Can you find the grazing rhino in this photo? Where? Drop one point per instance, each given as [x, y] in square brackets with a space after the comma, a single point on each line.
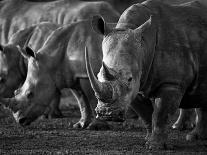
[20, 14]
[58, 64]
[164, 58]
[13, 66]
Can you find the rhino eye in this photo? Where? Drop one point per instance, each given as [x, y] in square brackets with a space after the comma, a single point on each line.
[16, 92]
[29, 94]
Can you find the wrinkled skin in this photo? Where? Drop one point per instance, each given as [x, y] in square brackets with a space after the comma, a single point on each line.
[13, 68]
[60, 12]
[158, 59]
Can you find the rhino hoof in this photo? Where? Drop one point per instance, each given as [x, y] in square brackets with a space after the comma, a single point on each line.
[176, 126]
[81, 124]
[98, 125]
[192, 137]
[155, 146]
[57, 114]
[181, 127]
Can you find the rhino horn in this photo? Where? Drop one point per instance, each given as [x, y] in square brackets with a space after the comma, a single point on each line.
[106, 72]
[10, 103]
[103, 90]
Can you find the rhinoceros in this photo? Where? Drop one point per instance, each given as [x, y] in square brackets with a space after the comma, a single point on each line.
[58, 64]
[20, 14]
[159, 50]
[13, 66]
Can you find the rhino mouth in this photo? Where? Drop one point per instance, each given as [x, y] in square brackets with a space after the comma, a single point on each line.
[23, 121]
[110, 114]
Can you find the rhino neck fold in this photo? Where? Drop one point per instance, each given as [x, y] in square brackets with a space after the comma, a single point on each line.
[147, 63]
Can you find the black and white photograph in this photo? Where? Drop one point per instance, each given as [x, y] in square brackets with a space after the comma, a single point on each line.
[103, 77]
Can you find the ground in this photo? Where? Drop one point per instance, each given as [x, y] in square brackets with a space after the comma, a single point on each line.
[55, 136]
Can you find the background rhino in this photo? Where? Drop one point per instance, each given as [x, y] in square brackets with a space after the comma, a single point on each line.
[20, 14]
[13, 66]
[58, 64]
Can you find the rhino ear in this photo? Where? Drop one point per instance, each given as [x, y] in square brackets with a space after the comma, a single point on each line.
[99, 25]
[26, 52]
[30, 52]
[146, 31]
[144, 27]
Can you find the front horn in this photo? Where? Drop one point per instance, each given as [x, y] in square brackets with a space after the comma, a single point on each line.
[11, 103]
[103, 90]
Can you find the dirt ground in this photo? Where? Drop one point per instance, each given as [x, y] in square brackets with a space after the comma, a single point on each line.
[55, 136]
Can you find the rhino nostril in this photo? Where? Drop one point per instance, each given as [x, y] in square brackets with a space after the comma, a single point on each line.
[22, 121]
[29, 95]
[130, 79]
[2, 80]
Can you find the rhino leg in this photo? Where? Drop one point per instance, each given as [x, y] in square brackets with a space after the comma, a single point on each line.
[167, 101]
[185, 120]
[200, 131]
[131, 118]
[85, 110]
[95, 124]
[53, 111]
[143, 107]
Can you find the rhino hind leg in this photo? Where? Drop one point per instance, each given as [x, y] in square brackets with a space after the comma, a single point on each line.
[167, 102]
[85, 110]
[185, 121]
[54, 111]
[200, 131]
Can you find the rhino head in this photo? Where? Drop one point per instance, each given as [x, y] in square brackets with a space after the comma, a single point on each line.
[40, 87]
[12, 63]
[119, 79]
[33, 97]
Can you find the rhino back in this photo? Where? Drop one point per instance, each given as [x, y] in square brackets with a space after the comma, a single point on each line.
[66, 45]
[20, 14]
[138, 13]
[40, 34]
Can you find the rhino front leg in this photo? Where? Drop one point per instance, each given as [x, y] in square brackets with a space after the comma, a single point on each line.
[200, 131]
[143, 107]
[85, 110]
[166, 102]
[95, 123]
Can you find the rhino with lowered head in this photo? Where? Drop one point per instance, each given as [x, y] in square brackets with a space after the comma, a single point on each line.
[13, 66]
[58, 64]
[159, 50]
